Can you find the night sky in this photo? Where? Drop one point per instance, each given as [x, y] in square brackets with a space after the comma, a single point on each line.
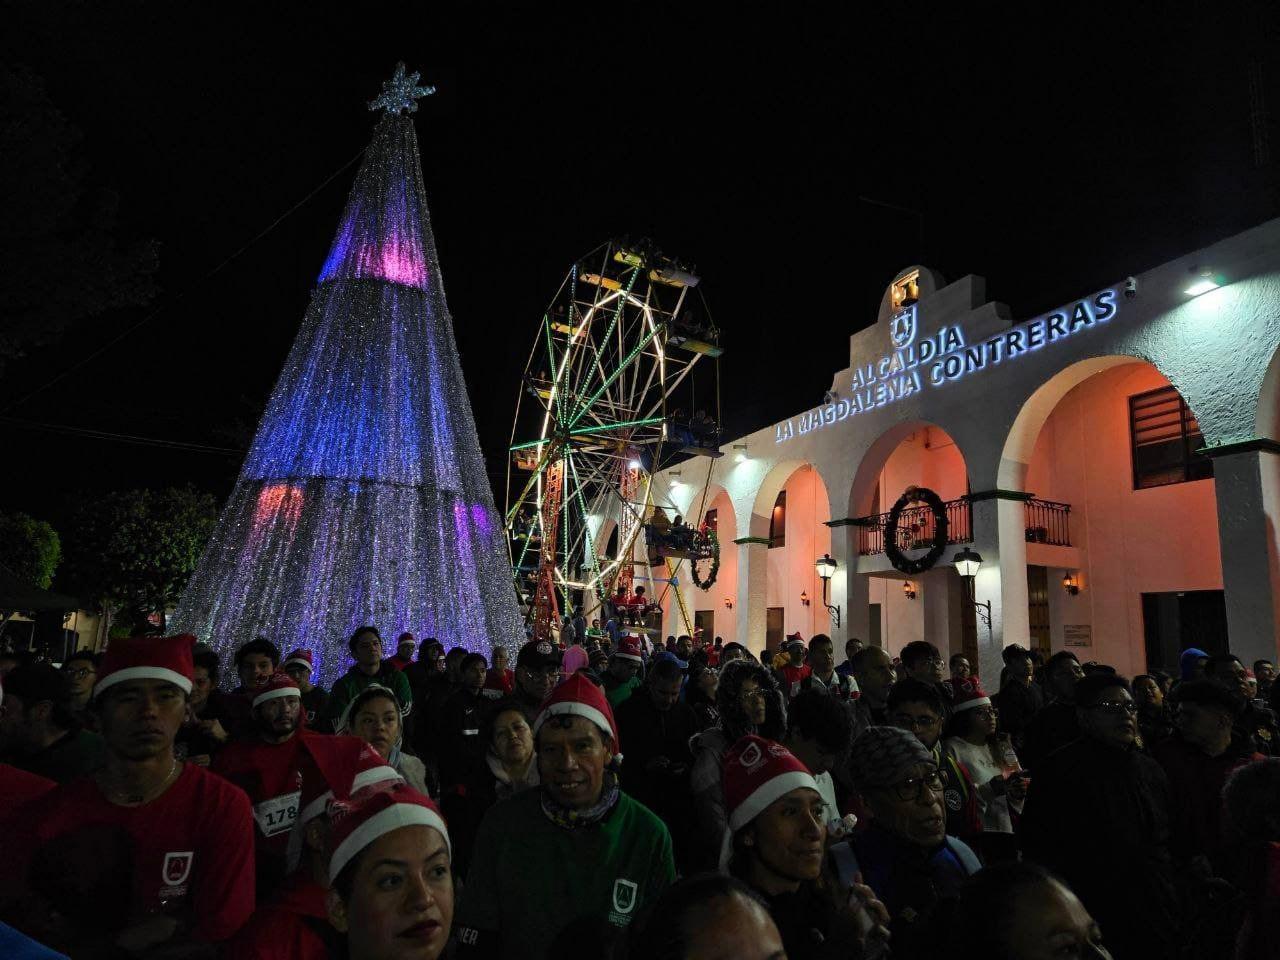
[1052, 157]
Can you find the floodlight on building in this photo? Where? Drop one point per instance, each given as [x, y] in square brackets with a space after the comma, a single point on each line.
[740, 453]
[1203, 283]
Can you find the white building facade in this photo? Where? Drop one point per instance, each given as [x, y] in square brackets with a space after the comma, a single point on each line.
[1115, 462]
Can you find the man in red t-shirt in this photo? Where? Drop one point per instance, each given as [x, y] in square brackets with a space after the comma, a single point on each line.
[147, 850]
[294, 925]
[499, 682]
[271, 766]
[277, 768]
[794, 672]
[18, 787]
[404, 651]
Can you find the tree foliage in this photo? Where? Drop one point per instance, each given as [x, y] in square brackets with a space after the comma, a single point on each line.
[62, 259]
[133, 552]
[30, 548]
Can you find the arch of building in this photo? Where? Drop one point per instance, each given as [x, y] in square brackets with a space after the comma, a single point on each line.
[910, 453]
[1092, 522]
[693, 502]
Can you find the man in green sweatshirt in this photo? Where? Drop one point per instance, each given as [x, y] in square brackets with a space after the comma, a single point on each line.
[563, 870]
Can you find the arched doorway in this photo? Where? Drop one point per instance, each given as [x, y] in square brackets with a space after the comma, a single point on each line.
[788, 532]
[1122, 545]
[927, 605]
[713, 610]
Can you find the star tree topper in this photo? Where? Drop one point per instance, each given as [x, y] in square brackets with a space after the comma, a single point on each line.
[401, 93]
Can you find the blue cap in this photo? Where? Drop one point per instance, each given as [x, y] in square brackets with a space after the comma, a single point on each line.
[668, 655]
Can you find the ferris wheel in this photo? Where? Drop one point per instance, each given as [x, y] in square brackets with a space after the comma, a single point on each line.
[613, 392]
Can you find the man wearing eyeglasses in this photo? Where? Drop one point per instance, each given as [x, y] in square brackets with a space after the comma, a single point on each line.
[81, 670]
[917, 707]
[1098, 814]
[537, 673]
[905, 855]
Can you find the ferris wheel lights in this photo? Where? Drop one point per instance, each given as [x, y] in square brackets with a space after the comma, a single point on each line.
[634, 464]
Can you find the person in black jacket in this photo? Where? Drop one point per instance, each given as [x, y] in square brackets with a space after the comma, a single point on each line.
[655, 728]
[1019, 698]
[1098, 813]
[1055, 725]
[460, 747]
[426, 675]
[1256, 723]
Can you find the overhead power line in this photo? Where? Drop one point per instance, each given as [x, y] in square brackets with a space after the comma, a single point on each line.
[64, 428]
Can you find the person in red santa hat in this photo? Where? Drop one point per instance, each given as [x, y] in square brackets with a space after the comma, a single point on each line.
[612, 857]
[777, 845]
[300, 665]
[294, 924]
[182, 835]
[276, 769]
[390, 876]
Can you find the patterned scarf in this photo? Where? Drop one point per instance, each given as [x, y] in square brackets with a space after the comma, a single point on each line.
[562, 816]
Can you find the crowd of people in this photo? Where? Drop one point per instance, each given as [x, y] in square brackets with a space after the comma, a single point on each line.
[615, 797]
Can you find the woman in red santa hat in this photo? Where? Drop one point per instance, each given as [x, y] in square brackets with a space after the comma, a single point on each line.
[778, 847]
[391, 892]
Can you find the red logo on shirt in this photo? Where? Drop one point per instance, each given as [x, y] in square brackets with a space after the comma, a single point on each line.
[177, 866]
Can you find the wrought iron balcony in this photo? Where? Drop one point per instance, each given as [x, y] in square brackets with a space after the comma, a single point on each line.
[916, 528]
[1047, 522]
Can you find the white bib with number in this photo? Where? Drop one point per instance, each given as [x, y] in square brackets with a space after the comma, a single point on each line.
[277, 814]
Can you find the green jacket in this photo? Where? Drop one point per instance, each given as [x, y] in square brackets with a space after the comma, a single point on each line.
[353, 681]
[530, 879]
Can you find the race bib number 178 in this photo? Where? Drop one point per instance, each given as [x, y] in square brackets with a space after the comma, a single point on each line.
[277, 814]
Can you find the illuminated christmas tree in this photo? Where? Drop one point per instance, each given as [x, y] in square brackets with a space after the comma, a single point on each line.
[364, 498]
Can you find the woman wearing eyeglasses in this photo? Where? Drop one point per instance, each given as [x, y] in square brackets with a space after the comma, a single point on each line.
[992, 765]
[905, 855]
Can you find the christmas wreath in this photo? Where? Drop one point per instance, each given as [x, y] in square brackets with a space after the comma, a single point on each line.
[714, 542]
[940, 531]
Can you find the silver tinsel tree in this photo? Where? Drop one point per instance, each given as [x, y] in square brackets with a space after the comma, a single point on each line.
[364, 498]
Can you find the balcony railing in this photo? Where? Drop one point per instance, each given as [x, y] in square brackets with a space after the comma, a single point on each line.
[916, 528]
[1049, 522]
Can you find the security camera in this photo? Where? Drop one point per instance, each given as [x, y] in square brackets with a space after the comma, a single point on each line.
[1131, 288]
